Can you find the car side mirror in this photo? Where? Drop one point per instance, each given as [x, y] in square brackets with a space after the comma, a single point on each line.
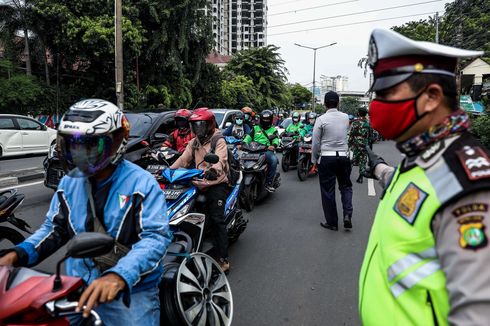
[228, 124]
[160, 136]
[44, 127]
[211, 158]
[84, 245]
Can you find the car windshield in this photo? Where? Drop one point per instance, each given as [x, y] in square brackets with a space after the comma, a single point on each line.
[286, 123]
[139, 124]
[219, 117]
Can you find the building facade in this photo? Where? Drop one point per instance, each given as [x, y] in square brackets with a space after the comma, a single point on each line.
[333, 83]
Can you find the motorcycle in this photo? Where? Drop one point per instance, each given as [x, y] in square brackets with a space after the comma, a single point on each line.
[304, 160]
[254, 166]
[289, 145]
[10, 200]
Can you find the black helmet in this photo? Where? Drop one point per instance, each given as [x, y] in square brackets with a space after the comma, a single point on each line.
[266, 119]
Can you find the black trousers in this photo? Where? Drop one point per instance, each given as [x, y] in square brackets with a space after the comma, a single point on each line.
[335, 168]
[215, 208]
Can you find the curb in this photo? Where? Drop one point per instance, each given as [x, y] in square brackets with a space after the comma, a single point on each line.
[8, 181]
[13, 178]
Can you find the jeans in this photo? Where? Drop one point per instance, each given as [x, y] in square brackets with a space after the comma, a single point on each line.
[331, 168]
[215, 208]
[144, 310]
[272, 162]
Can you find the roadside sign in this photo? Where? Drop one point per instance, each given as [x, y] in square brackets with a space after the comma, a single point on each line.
[466, 103]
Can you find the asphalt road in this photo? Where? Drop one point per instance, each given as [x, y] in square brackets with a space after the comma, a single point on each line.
[21, 162]
[286, 269]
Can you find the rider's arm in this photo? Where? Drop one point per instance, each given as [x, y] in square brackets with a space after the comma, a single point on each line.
[246, 129]
[185, 159]
[170, 142]
[248, 138]
[461, 233]
[146, 254]
[228, 131]
[51, 236]
[276, 141]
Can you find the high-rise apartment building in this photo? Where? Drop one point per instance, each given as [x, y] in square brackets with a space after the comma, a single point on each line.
[335, 83]
[238, 24]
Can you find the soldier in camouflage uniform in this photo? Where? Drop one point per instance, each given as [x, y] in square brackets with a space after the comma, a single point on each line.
[360, 137]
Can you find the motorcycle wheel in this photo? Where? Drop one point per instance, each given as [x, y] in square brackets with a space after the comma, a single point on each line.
[249, 195]
[11, 235]
[285, 162]
[303, 169]
[203, 292]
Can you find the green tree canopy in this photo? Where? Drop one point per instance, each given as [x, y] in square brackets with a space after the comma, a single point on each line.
[300, 95]
[350, 105]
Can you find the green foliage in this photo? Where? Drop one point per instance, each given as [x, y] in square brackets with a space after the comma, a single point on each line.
[300, 95]
[481, 128]
[239, 92]
[208, 88]
[265, 68]
[19, 94]
[349, 105]
[422, 30]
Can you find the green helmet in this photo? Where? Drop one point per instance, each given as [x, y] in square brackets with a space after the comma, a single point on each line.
[296, 117]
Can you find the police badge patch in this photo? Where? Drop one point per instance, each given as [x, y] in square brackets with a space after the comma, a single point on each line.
[409, 203]
[472, 233]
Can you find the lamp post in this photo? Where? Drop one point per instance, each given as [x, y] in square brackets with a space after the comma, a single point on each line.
[314, 67]
[119, 54]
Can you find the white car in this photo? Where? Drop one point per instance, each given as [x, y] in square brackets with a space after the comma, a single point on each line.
[21, 135]
[224, 117]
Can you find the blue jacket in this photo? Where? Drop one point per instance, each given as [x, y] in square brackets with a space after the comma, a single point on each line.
[229, 130]
[134, 214]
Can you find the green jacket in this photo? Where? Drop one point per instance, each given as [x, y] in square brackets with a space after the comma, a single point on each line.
[307, 129]
[295, 127]
[269, 138]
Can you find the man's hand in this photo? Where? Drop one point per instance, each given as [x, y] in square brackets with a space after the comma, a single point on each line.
[9, 259]
[211, 175]
[102, 290]
[373, 161]
[271, 148]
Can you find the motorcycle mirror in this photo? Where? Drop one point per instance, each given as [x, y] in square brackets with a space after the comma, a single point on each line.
[211, 158]
[145, 143]
[160, 136]
[84, 245]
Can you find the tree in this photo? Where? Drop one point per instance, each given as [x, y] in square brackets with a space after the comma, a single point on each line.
[207, 90]
[239, 92]
[349, 105]
[300, 95]
[265, 68]
[422, 30]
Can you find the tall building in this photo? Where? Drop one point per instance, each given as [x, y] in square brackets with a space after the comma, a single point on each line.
[238, 24]
[333, 83]
[247, 24]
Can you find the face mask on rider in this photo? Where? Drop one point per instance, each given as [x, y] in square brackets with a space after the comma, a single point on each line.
[239, 122]
[393, 118]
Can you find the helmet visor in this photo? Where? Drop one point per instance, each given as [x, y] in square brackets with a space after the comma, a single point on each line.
[84, 156]
[265, 122]
[312, 121]
[181, 123]
[199, 128]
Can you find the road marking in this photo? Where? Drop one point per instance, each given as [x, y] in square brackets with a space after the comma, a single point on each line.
[22, 185]
[371, 189]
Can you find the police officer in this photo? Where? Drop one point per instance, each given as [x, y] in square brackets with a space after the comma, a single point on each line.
[427, 257]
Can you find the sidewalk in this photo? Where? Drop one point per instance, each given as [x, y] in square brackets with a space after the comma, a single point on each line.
[12, 178]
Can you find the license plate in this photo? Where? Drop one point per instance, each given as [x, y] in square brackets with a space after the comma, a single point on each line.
[250, 157]
[287, 138]
[155, 168]
[305, 150]
[172, 194]
[306, 145]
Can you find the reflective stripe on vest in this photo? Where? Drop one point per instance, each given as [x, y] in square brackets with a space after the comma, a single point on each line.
[414, 277]
[410, 260]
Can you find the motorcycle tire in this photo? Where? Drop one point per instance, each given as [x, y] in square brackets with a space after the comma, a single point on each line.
[249, 194]
[9, 234]
[286, 162]
[303, 169]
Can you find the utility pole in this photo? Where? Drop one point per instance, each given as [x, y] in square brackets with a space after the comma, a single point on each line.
[437, 27]
[313, 104]
[119, 54]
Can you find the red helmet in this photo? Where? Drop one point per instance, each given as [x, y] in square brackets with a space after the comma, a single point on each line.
[202, 123]
[182, 118]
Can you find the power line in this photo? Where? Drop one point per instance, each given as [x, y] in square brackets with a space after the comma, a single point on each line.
[311, 8]
[284, 3]
[350, 24]
[356, 13]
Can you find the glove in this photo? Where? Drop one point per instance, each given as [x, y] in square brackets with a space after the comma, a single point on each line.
[211, 175]
[373, 161]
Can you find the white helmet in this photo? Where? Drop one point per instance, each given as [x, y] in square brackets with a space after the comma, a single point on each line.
[91, 135]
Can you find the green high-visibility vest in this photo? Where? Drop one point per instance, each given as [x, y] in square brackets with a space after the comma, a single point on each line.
[401, 281]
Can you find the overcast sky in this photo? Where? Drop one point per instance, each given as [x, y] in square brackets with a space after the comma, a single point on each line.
[352, 41]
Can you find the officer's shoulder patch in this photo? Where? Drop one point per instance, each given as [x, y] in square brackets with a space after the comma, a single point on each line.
[472, 232]
[432, 151]
[475, 162]
[409, 203]
[470, 208]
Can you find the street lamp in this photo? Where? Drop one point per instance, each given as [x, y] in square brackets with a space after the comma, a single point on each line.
[119, 53]
[314, 67]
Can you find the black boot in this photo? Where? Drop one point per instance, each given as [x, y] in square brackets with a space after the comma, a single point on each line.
[347, 222]
[359, 180]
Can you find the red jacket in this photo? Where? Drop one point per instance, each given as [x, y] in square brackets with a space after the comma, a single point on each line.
[179, 139]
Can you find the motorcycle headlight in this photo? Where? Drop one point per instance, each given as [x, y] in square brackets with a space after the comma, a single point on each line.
[184, 210]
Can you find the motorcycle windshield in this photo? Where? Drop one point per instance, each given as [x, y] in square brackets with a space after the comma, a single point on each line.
[181, 174]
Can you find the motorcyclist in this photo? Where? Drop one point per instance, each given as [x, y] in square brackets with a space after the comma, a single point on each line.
[296, 126]
[181, 136]
[104, 193]
[309, 124]
[238, 129]
[280, 119]
[249, 116]
[265, 134]
[215, 182]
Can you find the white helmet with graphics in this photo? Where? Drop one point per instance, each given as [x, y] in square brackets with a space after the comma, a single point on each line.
[91, 135]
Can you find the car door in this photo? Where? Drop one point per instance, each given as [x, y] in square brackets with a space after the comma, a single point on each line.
[228, 120]
[35, 137]
[10, 137]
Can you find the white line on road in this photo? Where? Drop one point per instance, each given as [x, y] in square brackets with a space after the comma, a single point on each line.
[22, 185]
[371, 189]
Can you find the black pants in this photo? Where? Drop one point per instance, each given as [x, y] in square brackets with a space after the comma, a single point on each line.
[331, 168]
[215, 208]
